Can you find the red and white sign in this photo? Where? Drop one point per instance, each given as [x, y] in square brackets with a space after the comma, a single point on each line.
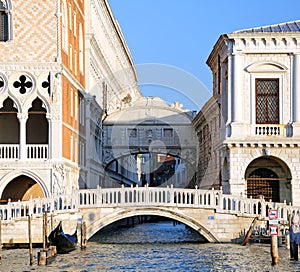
[273, 230]
[273, 214]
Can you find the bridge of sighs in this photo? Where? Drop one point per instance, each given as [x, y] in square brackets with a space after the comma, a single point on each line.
[151, 143]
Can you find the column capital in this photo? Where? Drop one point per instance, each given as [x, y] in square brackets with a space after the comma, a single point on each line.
[22, 116]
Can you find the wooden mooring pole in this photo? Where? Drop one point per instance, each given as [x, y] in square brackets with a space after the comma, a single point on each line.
[30, 241]
[83, 235]
[45, 226]
[248, 235]
[274, 250]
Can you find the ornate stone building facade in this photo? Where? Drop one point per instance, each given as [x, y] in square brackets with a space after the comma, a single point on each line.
[59, 77]
[257, 93]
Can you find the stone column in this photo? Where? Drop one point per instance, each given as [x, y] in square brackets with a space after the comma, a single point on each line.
[296, 95]
[237, 99]
[23, 149]
[55, 137]
[237, 96]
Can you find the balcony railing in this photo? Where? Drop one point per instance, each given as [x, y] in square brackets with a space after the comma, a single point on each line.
[270, 130]
[12, 151]
[37, 151]
[9, 151]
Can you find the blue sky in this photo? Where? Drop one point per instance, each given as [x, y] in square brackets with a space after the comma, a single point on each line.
[180, 34]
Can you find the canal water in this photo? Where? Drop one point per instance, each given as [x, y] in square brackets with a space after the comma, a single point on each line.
[156, 246]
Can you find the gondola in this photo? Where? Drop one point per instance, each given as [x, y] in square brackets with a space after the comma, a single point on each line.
[64, 242]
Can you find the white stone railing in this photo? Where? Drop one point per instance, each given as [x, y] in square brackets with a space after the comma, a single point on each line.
[9, 151]
[35, 151]
[270, 130]
[145, 196]
[196, 198]
[36, 206]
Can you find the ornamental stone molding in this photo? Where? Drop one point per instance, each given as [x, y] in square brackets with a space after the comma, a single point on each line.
[24, 86]
[265, 67]
[265, 41]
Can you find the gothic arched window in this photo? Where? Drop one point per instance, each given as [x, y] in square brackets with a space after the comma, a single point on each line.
[5, 21]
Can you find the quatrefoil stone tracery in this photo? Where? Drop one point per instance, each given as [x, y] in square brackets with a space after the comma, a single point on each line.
[24, 84]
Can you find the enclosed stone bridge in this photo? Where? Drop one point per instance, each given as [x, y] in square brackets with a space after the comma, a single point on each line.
[215, 216]
[149, 125]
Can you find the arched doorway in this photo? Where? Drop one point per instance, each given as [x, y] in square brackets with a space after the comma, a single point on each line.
[268, 177]
[22, 188]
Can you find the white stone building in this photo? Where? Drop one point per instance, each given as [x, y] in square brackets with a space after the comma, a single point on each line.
[256, 75]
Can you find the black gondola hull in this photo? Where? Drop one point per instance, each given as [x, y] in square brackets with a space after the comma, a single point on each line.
[64, 242]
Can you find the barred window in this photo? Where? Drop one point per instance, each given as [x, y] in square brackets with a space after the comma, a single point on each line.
[267, 101]
[132, 132]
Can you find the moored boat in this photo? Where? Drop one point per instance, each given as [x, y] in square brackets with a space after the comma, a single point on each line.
[64, 242]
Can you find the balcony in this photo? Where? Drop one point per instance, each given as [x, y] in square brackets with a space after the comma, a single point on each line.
[12, 151]
[270, 130]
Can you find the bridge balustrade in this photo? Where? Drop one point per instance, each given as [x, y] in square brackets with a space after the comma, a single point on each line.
[36, 206]
[145, 196]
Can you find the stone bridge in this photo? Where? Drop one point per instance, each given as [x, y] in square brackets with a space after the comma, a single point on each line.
[217, 217]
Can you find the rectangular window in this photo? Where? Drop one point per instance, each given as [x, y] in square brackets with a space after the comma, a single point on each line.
[3, 26]
[82, 111]
[72, 102]
[132, 132]
[76, 150]
[168, 132]
[75, 62]
[70, 16]
[75, 24]
[267, 101]
[71, 57]
[71, 147]
[76, 104]
[82, 154]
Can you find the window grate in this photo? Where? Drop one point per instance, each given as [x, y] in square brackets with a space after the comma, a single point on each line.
[267, 101]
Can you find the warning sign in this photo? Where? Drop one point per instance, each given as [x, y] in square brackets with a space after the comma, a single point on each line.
[273, 214]
[273, 230]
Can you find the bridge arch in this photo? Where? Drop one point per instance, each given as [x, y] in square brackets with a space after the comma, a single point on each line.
[99, 224]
